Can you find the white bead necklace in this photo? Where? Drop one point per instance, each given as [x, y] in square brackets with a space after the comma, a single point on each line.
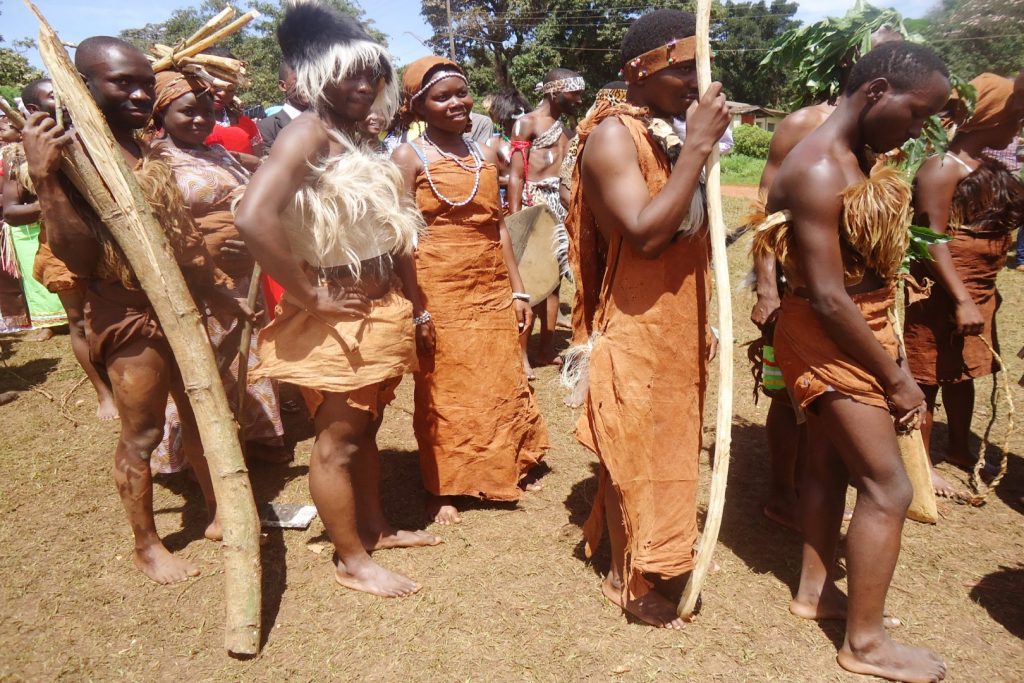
[478, 158]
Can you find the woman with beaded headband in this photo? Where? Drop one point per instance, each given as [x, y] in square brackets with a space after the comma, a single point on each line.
[642, 263]
[476, 420]
[330, 222]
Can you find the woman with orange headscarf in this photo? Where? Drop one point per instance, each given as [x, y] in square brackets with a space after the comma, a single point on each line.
[476, 421]
[978, 203]
[209, 178]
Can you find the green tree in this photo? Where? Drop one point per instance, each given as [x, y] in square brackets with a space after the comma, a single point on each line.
[974, 36]
[742, 34]
[256, 44]
[15, 70]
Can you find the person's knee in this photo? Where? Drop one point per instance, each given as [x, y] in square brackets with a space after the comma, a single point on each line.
[333, 450]
[892, 495]
[142, 441]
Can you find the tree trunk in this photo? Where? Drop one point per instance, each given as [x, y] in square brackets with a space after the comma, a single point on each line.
[109, 185]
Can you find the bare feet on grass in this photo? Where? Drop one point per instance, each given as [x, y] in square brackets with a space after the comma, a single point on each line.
[886, 658]
[653, 608]
[214, 531]
[106, 411]
[384, 539]
[829, 605]
[156, 562]
[943, 488]
[369, 577]
[440, 509]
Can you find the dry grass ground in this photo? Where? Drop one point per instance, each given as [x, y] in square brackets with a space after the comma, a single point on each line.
[506, 597]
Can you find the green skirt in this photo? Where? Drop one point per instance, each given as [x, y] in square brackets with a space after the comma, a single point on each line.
[44, 307]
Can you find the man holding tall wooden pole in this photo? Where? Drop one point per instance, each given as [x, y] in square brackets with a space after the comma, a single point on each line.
[125, 338]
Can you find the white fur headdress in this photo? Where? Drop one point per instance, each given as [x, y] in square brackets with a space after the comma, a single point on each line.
[324, 46]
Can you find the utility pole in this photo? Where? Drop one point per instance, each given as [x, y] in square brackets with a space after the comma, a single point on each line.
[451, 31]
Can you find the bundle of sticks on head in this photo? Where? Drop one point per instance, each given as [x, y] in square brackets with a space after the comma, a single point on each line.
[188, 56]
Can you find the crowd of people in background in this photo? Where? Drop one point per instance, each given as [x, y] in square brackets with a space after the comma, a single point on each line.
[375, 210]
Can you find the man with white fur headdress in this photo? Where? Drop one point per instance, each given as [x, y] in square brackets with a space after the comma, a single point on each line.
[332, 224]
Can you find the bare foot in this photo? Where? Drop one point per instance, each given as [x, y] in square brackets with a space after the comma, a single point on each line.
[551, 358]
[390, 538]
[38, 335]
[7, 396]
[528, 369]
[531, 480]
[784, 515]
[214, 531]
[943, 488]
[106, 411]
[653, 608]
[441, 510]
[563, 321]
[370, 577]
[156, 562]
[830, 605]
[533, 486]
[889, 659]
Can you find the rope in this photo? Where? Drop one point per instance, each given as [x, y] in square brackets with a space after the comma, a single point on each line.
[978, 499]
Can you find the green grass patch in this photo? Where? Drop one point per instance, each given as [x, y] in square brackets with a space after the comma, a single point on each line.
[739, 169]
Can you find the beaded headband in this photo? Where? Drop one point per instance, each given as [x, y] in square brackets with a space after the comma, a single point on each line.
[573, 84]
[652, 61]
[437, 79]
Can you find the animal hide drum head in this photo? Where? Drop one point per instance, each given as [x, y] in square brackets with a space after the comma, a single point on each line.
[532, 232]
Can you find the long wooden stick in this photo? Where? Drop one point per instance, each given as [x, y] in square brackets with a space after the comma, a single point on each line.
[720, 263]
[207, 42]
[111, 188]
[245, 344]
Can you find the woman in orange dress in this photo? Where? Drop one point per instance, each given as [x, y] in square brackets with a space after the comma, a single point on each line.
[476, 420]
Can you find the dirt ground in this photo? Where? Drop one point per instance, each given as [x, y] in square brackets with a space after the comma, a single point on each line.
[506, 596]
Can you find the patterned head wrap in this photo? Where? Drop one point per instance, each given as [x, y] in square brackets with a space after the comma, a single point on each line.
[170, 85]
[675, 52]
[572, 84]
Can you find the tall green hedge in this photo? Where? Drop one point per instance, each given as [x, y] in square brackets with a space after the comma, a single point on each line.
[751, 141]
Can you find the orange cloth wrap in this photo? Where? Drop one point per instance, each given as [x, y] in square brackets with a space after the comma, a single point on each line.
[339, 356]
[643, 416]
[50, 270]
[813, 364]
[476, 420]
[936, 353]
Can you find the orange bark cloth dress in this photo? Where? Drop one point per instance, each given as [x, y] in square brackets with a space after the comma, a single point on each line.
[988, 205]
[361, 358]
[476, 420]
[643, 414]
[873, 236]
[209, 178]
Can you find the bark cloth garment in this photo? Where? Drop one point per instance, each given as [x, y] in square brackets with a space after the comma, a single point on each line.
[476, 420]
[117, 311]
[546, 191]
[988, 205]
[643, 414]
[351, 210]
[873, 236]
[209, 178]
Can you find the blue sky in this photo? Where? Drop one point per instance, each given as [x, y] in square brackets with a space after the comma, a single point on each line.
[399, 19]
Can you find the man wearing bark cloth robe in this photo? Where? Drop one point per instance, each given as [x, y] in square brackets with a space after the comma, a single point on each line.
[638, 209]
[539, 143]
[979, 203]
[123, 333]
[839, 232]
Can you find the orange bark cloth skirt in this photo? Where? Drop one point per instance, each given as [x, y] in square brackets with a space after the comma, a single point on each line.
[50, 270]
[116, 317]
[363, 358]
[813, 364]
[476, 420]
[936, 353]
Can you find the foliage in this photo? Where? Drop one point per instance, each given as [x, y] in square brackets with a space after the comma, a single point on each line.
[10, 92]
[751, 141]
[816, 56]
[974, 36]
[920, 239]
[256, 45]
[514, 43]
[740, 169]
[15, 69]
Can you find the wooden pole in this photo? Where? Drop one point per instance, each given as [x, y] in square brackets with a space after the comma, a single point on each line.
[110, 187]
[245, 344]
[720, 263]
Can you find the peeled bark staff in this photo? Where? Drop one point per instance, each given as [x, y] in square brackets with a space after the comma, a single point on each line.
[245, 344]
[720, 263]
[207, 42]
[110, 187]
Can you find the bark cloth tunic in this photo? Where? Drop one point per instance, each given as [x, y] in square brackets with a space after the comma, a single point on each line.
[476, 419]
[873, 236]
[988, 205]
[643, 415]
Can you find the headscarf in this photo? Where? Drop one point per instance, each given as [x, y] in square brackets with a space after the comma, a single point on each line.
[412, 81]
[994, 104]
[170, 85]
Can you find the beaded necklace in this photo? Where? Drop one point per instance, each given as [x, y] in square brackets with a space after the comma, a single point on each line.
[476, 171]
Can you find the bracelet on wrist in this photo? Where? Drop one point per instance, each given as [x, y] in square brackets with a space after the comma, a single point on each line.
[521, 296]
[422, 319]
